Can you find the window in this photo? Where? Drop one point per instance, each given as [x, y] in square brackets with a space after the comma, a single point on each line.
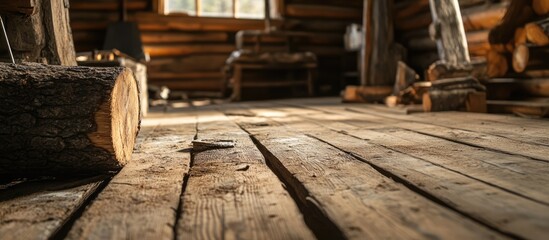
[253, 9]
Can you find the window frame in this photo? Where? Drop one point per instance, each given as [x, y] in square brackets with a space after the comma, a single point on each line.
[160, 8]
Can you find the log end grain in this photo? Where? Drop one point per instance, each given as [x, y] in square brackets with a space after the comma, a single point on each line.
[535, 34]
[521, 57]
[541, 7]
[118, 119]
[497, 64]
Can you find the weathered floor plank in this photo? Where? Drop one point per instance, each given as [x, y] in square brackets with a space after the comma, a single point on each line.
[362, 202]
[414, 163]
[535, 146]
[475, 131]
[525, 130]
[38, 210]
[141, 201]
[232, 194]
[513, 173]
[535, 151]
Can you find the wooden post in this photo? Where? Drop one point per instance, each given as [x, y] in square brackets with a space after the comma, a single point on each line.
[449, 33]
[57, 120]
[380, 54]
[44, 36]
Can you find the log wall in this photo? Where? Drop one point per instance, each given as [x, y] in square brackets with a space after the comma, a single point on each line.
[187, 53]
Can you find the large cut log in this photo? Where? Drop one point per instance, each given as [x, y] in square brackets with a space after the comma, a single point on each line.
[454, 94]
[57, 120]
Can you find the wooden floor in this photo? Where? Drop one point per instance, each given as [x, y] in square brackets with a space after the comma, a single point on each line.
[303, 169]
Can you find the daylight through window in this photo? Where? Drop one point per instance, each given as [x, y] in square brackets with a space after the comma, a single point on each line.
[254, 9]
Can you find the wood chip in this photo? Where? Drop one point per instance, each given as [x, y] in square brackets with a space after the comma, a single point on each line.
[209, 144]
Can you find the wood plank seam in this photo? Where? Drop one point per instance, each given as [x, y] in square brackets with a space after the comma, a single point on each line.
[322, 226]
[389, 175]
[61, 233]
[538, 200]
[308, 118]
[225, 200]
[315, 218]
[452, 170]
[414, 188]
[445, 138]
[441, 125]
[296, 135]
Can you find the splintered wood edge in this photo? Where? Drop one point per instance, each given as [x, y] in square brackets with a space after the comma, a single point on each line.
[118, 119]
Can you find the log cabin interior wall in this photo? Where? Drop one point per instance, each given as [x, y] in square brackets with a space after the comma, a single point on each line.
[188, 53]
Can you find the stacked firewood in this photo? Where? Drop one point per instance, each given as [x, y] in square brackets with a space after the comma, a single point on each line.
[413, 17]
[520, 44]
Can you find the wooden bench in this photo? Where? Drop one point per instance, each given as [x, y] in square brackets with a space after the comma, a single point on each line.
[244, 61]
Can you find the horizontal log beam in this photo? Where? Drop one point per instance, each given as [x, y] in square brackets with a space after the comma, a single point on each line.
[17, 6]
[321, 11]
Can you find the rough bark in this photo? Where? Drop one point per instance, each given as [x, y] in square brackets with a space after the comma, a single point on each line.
[44, 36]
[450, 94]
[57, 120]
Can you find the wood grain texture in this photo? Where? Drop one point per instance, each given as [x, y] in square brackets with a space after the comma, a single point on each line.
[232, 194]
[495, 142]
[312, 167]
[494, 163]
[512, 172]
[441, 168]
[38, 210]
[141, 201]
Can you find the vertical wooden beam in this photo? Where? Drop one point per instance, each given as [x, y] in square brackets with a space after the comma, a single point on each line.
[235, 2]
[45, 36]
[197, 7]
[380, 54]
[267, 15]
[447, 29]
[366, 51]
[159, 6]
